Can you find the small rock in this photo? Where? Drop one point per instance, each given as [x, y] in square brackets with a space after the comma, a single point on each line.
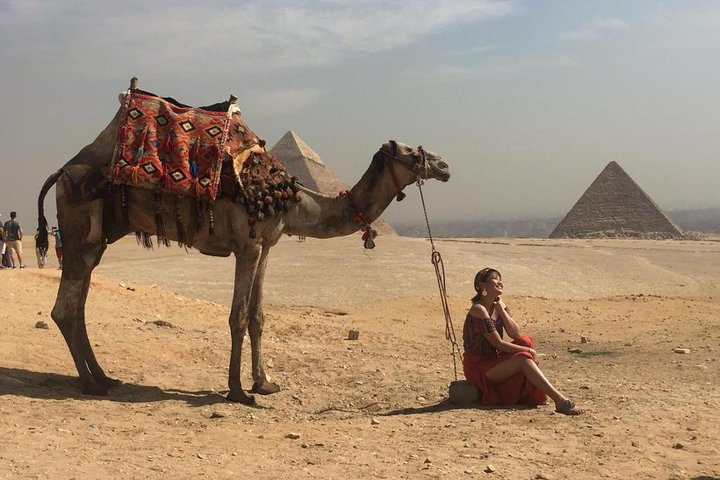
[217, 415]
[634, 443]
[468, 471]
[162, 323]
[574, 350]
[681, 350]
[678, 446]
[353, 335]
[541, 476]
[427, 460]
[292, 436]
[374, 421]
[584, 340]
[304, 445]
[200, 456]
[628, 344]
[489, 468]
[42, 324]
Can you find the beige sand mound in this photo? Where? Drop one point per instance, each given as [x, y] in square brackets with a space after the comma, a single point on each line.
[375, 407]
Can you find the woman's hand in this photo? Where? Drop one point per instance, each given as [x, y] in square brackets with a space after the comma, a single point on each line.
[535, 356]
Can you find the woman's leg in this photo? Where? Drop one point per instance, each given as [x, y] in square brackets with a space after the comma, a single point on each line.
[532, 372]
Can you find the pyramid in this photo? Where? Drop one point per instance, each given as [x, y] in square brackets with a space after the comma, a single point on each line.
[614, 206]
[300, 160]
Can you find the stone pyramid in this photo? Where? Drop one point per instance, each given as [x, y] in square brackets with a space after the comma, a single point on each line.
[301, 161]
[614, 206]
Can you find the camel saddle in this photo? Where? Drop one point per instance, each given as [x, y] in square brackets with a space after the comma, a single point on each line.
[167, 146]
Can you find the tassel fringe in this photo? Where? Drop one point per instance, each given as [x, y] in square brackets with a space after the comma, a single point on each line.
[159, 222]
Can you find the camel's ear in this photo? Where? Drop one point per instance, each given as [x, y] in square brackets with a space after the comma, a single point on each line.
[393, 144]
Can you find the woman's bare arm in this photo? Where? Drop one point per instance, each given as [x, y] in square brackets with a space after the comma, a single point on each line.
[511, 327]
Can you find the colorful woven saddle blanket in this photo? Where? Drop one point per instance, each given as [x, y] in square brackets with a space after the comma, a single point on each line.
[167, 146]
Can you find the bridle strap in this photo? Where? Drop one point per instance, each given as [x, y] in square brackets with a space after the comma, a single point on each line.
[392, 158]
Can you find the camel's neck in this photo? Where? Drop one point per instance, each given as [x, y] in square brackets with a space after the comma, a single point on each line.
[320, 216]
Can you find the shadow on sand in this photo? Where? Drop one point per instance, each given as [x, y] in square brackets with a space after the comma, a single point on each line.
[53, 386]
[445, 405]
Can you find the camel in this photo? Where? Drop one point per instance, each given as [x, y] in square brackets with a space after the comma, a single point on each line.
[90, 217]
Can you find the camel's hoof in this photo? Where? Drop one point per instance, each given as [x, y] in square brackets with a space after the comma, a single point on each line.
[265, 388]
[241, 397]
[109, 382]
[94, 389]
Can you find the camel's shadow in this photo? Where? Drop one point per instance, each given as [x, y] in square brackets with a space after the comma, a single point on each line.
[54, 386]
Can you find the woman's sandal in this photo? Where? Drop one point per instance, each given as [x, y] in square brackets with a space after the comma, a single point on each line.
[567, 407]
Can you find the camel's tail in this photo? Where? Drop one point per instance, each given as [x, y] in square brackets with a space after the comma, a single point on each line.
[42, 238]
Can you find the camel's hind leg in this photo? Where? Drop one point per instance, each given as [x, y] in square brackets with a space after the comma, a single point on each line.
[69, 313]
[83, 246]
[261, 384]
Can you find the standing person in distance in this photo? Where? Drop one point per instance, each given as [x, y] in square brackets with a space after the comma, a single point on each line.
[58, 246]
[14, 233]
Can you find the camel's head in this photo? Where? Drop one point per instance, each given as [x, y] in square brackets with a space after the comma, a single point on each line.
[425, 164]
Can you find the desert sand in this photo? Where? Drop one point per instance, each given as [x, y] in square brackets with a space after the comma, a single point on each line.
[375, 407]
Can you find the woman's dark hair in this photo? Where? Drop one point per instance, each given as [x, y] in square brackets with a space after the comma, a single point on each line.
[481, 277]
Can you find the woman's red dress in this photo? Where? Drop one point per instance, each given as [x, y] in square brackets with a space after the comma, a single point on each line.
[480, 357]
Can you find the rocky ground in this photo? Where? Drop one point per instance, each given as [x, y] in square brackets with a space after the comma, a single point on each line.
[375, 407]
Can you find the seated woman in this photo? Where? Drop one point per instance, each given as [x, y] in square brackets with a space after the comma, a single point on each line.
[507, 373]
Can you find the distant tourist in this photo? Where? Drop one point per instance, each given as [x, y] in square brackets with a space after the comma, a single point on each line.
[14, 233]
[3, 248]
[40, 253]
[507, 373]
[58, 246]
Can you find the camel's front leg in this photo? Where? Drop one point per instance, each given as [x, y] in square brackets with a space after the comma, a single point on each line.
[246, 266]
[261, 384]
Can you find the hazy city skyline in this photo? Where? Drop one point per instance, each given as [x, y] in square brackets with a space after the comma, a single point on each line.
[527, 101]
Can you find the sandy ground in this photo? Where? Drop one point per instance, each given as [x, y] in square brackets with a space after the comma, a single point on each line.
[376, 407]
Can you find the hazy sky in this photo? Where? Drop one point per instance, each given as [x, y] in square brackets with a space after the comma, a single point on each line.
[526, 100]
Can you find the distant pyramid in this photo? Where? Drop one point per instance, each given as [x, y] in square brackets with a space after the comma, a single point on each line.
[615, 206]
[301, 161]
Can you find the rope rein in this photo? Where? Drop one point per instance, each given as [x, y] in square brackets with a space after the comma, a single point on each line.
[437, 262]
